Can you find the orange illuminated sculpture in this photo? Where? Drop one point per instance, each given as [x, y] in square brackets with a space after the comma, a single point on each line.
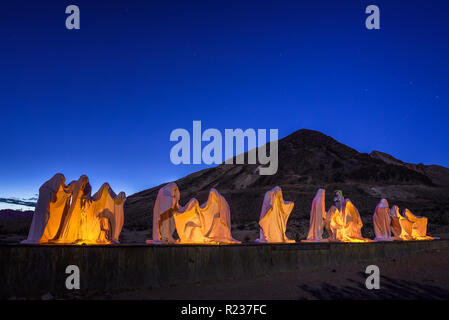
[419, 227]
[74, 217]
[188, 222]
[105, 217]
[166, 204]
[215, 217]
[53, 197]
[382, 221]
[73, 223]
[408, 226]
[345, 221]
[209, 223]
[317, 218]
[273, 217]
[400, 226]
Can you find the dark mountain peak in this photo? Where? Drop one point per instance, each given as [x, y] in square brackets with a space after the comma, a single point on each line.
[311, 140]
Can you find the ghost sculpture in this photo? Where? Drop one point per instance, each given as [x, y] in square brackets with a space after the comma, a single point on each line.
[317, 218]
[166, 205]
[74, 217]
[408, 226]
[189, 223]
[209, 223]
[105, 217]
[419, 226]
[74, 221]
[327, 222]
[273, 217]
[400, 226]
[382, 221]
[53, 198]
[215, 218]
[345, 223]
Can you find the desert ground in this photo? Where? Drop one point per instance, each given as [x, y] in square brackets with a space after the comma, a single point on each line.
[418, 276]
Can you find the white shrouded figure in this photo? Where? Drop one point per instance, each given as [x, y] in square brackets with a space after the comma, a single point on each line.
[382, 221]
[208, 223]
[327, 222]
[396, 228]
[215, 219]
[74, 217]
[52, 194]
[188, 223]
[105, 216]
[419, 226]
[274, 216]
[401, 226]
[346, 224]
[317, 217]
[71, 231]
[166, 205]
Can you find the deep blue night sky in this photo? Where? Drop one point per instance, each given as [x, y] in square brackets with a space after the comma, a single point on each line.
[103, 100]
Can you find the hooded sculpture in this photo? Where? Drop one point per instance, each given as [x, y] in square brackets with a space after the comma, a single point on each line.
[401, 227]
[353, 223]
[215, 219]
[345, 224]
[105, 216]
[382, 221]
[74, 217]
[419, 226]
[165, 206]
[188, 223]
[51, 204]
[328, 221]
[208, 223]
[317, 217]
[339, 200]
[273, 217]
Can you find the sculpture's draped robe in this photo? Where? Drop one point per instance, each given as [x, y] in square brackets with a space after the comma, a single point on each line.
[51, 203]
[317, 217]
[164, 208]
[382, 221]
[71, 230]
[57, 211]
[208, 223]
[401, 227]
[74, 217]
[188, 223]
[274, 216]
[419, 226]
[105, 217]
[215, 219]
[396, 228]
[327, 222]
[346, 225]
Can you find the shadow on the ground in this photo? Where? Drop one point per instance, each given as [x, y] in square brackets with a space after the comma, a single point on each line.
[389, 289]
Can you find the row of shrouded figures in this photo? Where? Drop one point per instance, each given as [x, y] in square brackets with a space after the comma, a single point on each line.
[68, 214]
